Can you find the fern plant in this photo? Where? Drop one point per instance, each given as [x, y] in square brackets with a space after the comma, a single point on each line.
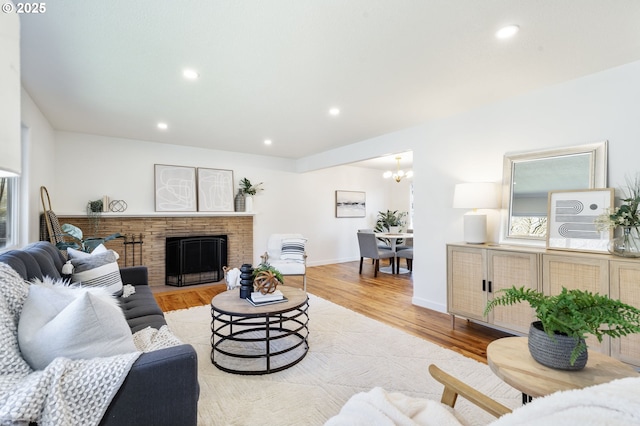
[574, 313]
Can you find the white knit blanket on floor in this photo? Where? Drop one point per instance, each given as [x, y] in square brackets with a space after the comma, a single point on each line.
[66, 392]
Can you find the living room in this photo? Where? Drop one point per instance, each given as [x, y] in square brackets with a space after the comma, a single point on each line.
[468, 146]
[537, 107]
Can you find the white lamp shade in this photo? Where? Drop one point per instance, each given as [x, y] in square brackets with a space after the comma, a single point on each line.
[476, 195]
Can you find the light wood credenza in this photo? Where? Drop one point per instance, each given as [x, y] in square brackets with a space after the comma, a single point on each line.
[476, 271]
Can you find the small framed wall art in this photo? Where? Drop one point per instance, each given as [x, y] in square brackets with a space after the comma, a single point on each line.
[350, 204]
[175, 188]
[572, 216]
[215, 190]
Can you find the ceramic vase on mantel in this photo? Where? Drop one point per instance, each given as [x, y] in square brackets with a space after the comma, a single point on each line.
[248, 203]
[238, 201]
[627, 244]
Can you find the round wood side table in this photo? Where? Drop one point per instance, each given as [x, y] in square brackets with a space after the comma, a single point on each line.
[510, 360]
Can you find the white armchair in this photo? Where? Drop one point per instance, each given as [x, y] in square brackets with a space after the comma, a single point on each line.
[287, 253]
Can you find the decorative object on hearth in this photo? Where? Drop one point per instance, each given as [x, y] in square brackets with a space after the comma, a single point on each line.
[266, 278]
[573, 314]
[627, 218]
[231, 277]
[134, 241]
[118, 206]
[246, 280]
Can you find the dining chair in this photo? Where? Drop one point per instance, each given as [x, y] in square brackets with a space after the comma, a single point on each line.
[406, 254]
[369, 249]
[381, 244]
[407, 243]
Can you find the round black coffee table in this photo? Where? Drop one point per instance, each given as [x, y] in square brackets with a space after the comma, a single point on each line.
[247, 339]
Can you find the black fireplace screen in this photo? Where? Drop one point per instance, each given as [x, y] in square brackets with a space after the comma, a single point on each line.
[195, 260]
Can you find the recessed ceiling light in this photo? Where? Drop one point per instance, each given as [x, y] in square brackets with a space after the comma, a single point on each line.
[163, 126]
[267, 142]
[190, 74]
[334, 111]
[508, 31]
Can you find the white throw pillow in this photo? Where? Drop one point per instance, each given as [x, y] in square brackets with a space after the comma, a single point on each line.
[79, 254]
[293, 249]
[74, 323]
[98, 270]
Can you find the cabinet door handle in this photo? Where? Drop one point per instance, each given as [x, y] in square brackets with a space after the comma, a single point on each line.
[490, 291]
[484, 285]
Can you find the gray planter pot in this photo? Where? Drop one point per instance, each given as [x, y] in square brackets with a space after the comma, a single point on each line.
[554, 352]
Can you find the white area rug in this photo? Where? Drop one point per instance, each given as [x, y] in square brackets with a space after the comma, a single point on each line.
[349, 353]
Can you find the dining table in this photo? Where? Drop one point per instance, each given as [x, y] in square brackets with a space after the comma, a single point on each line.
[393, 242]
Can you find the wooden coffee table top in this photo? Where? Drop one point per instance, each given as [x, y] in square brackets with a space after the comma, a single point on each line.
[229, 302]
[509, 359]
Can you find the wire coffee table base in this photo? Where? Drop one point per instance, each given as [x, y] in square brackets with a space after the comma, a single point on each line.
[258, 340]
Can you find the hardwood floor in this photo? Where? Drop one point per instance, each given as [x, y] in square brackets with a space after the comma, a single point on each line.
[386, 298]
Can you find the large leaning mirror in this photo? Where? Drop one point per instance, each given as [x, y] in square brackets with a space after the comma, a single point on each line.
[529, 176]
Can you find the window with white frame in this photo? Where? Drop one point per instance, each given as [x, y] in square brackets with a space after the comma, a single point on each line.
[8, 212]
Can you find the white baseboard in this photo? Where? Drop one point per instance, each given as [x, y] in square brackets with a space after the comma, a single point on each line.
[424, 303]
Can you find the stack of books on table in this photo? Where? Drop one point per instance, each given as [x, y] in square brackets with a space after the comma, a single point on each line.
[259, 299]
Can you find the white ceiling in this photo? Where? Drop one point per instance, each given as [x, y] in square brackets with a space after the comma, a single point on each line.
[273, 68]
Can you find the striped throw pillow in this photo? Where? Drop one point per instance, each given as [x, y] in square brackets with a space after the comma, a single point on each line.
[98, 270]
[293, 249]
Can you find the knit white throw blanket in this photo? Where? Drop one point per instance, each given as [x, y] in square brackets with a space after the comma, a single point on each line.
[66, 392]
[613, 403]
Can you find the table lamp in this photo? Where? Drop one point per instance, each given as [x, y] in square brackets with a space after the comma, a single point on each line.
[476, 195]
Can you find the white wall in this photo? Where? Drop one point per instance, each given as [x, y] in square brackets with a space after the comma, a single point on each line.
[470, 147]
[291, 201]
[40, 170]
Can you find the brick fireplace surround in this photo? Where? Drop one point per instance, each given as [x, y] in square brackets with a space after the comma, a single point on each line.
[156, 228]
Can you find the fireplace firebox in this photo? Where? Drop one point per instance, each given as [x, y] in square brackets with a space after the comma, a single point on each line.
[195, 260]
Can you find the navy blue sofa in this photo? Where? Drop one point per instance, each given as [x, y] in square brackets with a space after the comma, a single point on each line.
[162, 386]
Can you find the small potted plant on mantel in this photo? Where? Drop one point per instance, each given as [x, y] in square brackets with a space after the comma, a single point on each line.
[248, 190]
[557, 339]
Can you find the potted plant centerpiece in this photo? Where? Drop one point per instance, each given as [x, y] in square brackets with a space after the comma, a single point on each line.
[557, 339]
[266, 278]
[391, 221]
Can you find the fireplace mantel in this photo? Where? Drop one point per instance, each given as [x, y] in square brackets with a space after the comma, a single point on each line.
[161, 214]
